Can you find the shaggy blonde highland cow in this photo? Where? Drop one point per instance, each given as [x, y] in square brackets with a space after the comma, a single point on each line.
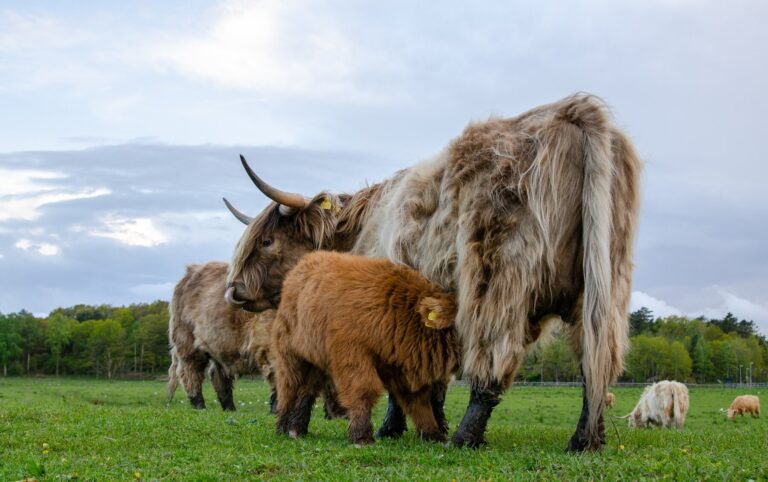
[527, 219]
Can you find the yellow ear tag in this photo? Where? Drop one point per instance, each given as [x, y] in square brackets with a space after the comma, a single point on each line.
[432, 315]
[326, 204]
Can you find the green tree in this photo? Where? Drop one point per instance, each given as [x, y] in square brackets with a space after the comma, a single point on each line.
[107, 346]
[703, 369]
[10, 342]
[558, 360]
[640, 321]
[58, 333]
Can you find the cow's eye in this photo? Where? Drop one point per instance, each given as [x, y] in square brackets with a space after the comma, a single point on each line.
[266, 242]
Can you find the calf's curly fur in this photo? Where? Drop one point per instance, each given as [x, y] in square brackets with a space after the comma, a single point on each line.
[372, 326]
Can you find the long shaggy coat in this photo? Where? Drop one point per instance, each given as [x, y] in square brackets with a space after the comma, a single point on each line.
[663, 404]
[372, 326]
[204, 329]
[523, 217]
[744, 404]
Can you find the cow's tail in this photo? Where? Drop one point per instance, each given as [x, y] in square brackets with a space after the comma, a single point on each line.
[677, 408]
[173, 377]
[608, 210]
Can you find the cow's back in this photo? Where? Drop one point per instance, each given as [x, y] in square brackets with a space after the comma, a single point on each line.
[200, 317]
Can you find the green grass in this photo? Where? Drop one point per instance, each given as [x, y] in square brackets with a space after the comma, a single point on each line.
[94, 430]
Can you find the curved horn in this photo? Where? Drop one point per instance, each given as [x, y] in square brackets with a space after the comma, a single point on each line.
[229, 295]
[287, 199]
[243, 218]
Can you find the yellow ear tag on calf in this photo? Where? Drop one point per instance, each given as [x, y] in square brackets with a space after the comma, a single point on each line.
[326, 204]
[431, 316]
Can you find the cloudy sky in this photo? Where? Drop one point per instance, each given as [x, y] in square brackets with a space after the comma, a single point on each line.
[121, 123]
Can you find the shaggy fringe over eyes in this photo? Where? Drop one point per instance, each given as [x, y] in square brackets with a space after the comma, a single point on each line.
[315, 222]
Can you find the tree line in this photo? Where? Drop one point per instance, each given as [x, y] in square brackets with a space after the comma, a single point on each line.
[697, 350]
[102, 341]
[132, 341]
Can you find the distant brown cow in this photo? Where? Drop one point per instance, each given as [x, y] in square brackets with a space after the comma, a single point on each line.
[372, 326]
[204, 328]
[744, 404]
[610, 399]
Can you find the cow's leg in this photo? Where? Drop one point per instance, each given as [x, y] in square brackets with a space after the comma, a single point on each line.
[290, 372]
[359, 387]
[223, 383]
[581, 441]
[310, 386]
[331, 405]
[192, 376]
[482, 400]
[438, 402]
[419, 408]
[268, 372]
[273, 401]
[394, 424]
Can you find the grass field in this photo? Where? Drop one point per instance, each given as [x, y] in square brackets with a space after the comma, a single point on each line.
[93, 430]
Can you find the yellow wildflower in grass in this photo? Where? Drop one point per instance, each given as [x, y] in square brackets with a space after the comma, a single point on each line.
[621, 447]
[137, 475]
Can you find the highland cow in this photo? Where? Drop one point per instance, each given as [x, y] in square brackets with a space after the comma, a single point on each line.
[372, 326]
[610, 400]
[526, 218]
[744, 404]
[663, 404]
[205, 331]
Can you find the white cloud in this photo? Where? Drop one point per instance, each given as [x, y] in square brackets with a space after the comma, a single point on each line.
[43, 248]
[724, 302]
[657, 306]
[24, 191]
[27, 208]
[269, 46]
[24, 181]
[133, 232]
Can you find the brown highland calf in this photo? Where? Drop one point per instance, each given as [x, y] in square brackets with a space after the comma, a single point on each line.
[610, 399]
[204, 328]
[744, 404]
[372, 326]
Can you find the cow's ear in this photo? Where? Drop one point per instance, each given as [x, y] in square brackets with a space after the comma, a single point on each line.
[317, 220]
[437, 313]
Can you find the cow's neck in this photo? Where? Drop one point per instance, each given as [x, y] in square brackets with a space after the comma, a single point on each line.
[354, 214]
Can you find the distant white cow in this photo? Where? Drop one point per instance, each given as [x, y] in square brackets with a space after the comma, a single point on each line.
[663, 404]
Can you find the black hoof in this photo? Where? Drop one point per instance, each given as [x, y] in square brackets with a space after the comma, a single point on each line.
[390, 432]
[363, 441]
[463, 439]
[580, 443]
[434, 437]
[197, 402]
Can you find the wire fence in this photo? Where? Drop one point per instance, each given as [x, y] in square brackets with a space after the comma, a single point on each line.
[735, 385]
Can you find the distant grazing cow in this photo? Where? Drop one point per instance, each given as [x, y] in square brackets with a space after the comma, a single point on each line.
[663, 404]
[610, 400]
[744, 404]
[204, 328]
[372, 326]
[525, 218]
